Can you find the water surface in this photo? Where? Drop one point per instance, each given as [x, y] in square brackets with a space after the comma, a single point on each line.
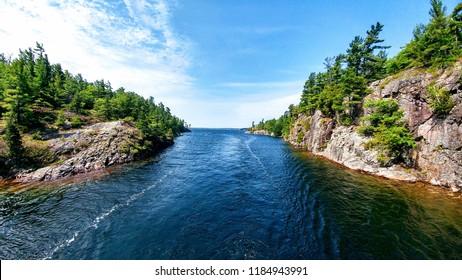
[222, 194]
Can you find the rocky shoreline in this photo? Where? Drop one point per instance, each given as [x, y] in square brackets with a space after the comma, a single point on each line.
[260, 132]
[89, 149]
[437, 159]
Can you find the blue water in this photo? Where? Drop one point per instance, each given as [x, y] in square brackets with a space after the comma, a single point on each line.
[223, 194]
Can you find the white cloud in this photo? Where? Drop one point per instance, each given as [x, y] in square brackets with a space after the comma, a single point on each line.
[131, 43]
[253, 102]
[132, 47]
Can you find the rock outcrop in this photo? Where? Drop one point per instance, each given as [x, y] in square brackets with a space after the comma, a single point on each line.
[84, 150]
[438, 156]
[259, 132]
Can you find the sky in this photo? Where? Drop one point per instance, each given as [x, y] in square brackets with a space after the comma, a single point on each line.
[214, 63]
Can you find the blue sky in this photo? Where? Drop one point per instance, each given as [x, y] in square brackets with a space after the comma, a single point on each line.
[217, 63]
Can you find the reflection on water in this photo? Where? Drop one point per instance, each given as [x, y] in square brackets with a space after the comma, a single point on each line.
[222, 194]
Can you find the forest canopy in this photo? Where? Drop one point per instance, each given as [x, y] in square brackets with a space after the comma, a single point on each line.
[38, 97]
[338, 92]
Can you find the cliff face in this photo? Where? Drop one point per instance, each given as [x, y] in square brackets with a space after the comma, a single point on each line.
[92, 148]
[438, 156]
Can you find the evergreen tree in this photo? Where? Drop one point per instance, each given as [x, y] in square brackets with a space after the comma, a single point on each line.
[56, 87]
[373, 64]
[35, 93]
[362, 56]
[355, 55]
[14, 142]
[17, 92]
[41, 78]
[456, 25]
[436, 44]
[311, 90]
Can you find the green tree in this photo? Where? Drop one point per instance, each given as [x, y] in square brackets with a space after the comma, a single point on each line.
[14, 142]
[83, 100]
[339, 91]
[56, 86]
[61, 119]
[29, 84]
[17, 92]
[440, 100]
[103, 108]
[390, 135]
[330, 99]
[354, 88]
[73, 85]
[355, 54]
[362, 56]
[436, 44]
[310, 94]
[41, 77]
[373, 63]
[456, 25]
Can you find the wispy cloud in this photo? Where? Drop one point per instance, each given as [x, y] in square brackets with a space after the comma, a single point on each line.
[130, 43]
[239, 104]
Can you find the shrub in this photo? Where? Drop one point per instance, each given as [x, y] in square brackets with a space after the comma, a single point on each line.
[75, 122]
[307, 124]
[440, 100]
[37, 153]
[300, 136]
[37, 135]
[61, 120]
[390, 135]
[346, 120]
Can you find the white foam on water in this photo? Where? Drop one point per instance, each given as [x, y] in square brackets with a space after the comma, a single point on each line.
[94, 224]
[263, 167]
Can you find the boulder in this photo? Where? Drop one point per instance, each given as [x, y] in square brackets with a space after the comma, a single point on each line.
[438, 156]
[84, 150]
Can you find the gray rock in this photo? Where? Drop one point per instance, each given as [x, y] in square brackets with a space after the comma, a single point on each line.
[438, 157]
[84, 150]
[260, 132]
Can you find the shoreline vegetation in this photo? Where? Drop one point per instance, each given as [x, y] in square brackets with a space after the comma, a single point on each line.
[50, 117]
[399, 117]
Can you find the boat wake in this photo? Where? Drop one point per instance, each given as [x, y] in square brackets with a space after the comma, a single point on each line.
[94, 224]
[263, 167]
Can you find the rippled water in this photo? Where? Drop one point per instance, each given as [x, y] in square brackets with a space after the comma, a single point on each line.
[222, 194]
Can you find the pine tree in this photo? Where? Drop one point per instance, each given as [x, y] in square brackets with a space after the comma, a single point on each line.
[14, 142]
[17, 92]
[373, 64]
[310, 94]
[56, 87]
[42, 78]
[456, 25]
[436, 44]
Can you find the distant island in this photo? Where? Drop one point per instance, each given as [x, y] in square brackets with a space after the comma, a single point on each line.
[54, 124]
[399, 118]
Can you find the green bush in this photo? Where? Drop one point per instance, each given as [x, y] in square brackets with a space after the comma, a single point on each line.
[346, 120]
[390, 135]
[440, 100]
[37, 135]
[61, 119]
[300, 136]
[76, 122]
